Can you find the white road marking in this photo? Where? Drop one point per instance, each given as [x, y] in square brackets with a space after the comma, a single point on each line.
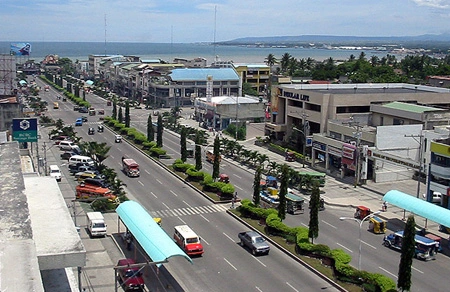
[257, 288]
[344, 247]
[368, 244]
[230, 264]
[260, 262]
[388, 272]
[165, 205]
[187, 204]
[287, 283]
[154, 195]
[174, 193]
[141, 183]
[228, 237]
[146, 171]
[159, 181]
[238, 187]
[204, 218]
[417, 270]
[325, 222]
[237, 176]
[181, 220]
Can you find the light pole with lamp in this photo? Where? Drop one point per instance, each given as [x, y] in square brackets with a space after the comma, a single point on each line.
[360, 221]
[305, 128]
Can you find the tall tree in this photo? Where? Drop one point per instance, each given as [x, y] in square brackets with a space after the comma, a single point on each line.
[183, 149]
[257, 186]
[198, 152]
[270, 61]
[406, 258]
[97, 151]
[283, 191]
[114, 110]
[314, 205]
[150, 130]
[127, 114]
[216, 162]
[159, 132]
[120, 115]
[285, 59]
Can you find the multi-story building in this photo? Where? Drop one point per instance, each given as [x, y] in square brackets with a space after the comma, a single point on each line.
[257, 75]
[181, 86]
[439, 171]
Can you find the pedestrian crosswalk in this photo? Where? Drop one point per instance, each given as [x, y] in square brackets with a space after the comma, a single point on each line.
[189, 211]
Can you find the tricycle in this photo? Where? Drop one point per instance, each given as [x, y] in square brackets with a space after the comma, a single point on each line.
[361, 212]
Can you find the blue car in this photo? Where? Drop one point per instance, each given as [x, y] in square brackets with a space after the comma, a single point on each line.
[79, 122]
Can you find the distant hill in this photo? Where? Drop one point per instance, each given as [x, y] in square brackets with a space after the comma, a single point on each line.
[427, 39]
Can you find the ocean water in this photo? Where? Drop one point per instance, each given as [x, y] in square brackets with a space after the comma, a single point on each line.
[167, 52]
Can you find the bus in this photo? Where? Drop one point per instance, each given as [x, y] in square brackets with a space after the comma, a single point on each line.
[426, 248]
[314, 175]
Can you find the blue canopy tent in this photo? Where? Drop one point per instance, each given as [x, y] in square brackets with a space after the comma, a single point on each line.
[419, 207]
[152, 238]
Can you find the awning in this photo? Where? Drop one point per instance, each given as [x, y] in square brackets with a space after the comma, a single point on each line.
[153, 239]
[419, 207]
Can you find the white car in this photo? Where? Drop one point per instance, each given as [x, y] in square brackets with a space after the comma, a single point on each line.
[118, 138]
[55, 172]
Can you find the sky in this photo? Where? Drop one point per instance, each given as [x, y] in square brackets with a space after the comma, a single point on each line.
[190, 21]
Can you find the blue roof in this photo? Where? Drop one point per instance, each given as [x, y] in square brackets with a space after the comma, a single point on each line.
[153, 239]
[419, 238]
[201, 74]
[419, 207]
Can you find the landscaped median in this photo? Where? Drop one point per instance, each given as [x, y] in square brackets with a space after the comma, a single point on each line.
[334, 264]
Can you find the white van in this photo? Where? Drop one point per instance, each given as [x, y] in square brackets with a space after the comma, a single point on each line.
[55, 172]
[79, 158]
[66, 145]
[96, 224]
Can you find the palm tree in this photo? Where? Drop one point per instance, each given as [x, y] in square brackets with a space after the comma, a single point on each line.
[253, 156]
[245, 153]
[97, 151]
[262, 158]
[285, 62]
[272, 168]
[175, 111]
[270, 61]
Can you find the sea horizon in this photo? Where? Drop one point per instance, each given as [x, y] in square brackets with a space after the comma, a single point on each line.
[168, 51]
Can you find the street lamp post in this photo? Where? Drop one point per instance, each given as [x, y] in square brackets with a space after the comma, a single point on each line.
[360, 221]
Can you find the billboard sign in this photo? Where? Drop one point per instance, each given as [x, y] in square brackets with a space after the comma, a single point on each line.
[25, 130]
[20, 49]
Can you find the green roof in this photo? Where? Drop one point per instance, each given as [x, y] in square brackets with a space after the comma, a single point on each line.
[411, 107]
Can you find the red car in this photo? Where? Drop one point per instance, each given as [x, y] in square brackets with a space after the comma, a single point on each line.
[130, 277]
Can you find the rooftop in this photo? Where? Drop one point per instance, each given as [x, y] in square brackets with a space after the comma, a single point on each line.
[201, 74]
[410, 107]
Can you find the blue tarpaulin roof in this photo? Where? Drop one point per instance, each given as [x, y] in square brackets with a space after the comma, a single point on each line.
[153, 239]
[419, 207]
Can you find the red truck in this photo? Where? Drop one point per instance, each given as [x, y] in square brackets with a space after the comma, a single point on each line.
[130, 167]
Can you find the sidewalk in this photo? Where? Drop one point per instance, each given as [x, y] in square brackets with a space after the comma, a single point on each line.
[341, 192]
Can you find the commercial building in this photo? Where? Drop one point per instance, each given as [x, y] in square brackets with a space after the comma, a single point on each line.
[257, 75]
[439, 171]
[361, 128]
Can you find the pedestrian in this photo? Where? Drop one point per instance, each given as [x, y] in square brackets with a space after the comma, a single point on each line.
[384, 207]
[232, 202]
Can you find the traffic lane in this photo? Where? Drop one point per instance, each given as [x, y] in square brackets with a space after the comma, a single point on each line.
[374, 256]
[226, 265]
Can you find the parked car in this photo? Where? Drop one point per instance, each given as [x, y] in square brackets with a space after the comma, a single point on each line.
[73, 168]
[130, 277]
[87, 168]
[91, 131]
[96, 182]
[81, 176]
[66, 145]
[66, 155]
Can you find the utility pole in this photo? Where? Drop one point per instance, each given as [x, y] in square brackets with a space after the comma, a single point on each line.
[305, 127]
[45, 159]
[419, 175]
[357, 135]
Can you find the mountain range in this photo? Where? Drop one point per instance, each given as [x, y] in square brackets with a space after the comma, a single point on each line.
[433, 40]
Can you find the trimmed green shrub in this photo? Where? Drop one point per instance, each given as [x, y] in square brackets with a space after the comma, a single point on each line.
[195, 175]
[148, 145]
[156, 151]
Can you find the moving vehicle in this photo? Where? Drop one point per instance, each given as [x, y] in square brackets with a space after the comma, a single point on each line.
[91, 131]
[377, 225]
[83, 110]
[294, 203]
[64, 99]
[210, 156]
[130, 167]
[92, 111]
[361, 212]
[224, 178]
[426, 248]
[118, 139]
[55, 105]
[188, 240]
[96, 224]
[100, 128]
[101, 111]
[130, 276]
[46, 87]
[84, 118]
[314, 175]
[90, 193]
[55, 172]
[79, 122]
[290, 156]
[254, 241]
